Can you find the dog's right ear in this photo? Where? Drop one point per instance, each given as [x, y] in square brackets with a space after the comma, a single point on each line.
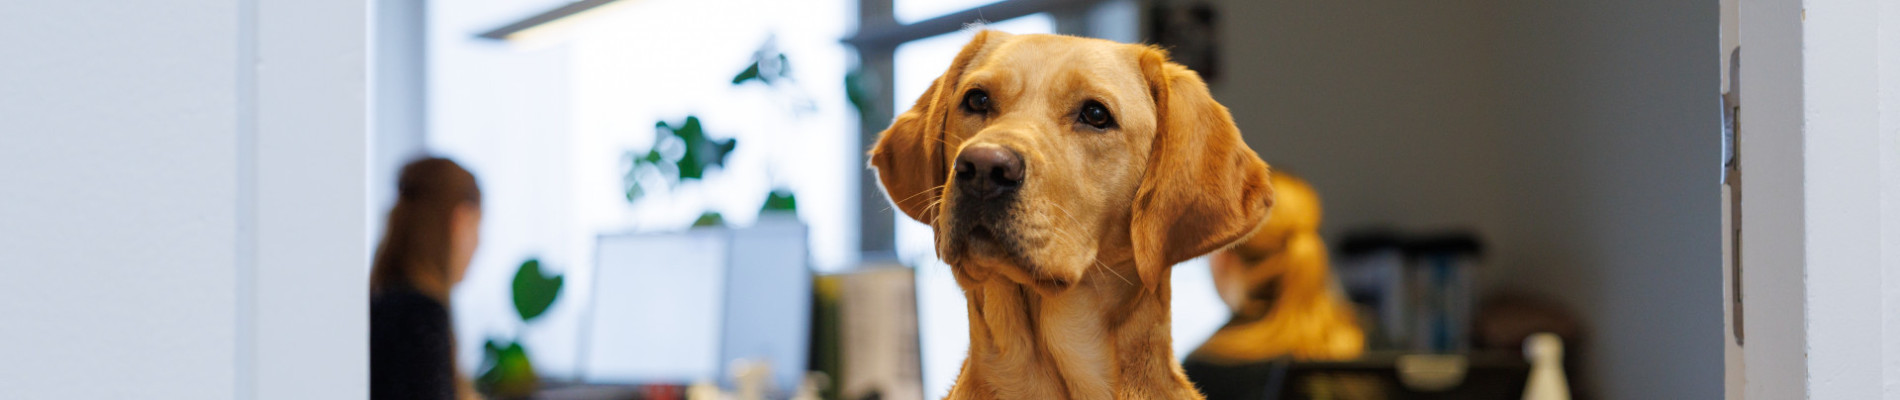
[1203, 188]
[909, 156]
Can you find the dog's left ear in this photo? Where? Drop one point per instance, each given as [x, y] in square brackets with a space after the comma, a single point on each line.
[909, 156]
[1203, 188]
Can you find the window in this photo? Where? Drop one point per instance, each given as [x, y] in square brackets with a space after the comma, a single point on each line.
[547, 127]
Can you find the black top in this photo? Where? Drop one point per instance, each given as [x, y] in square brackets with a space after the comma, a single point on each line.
[410, 347]
[1248, 381]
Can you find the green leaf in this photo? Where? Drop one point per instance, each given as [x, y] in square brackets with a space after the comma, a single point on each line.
[709, 219]
[780, 200]
[678, 153]
[701, 151]
[510, 374]
[534, 292]
[855, 90]
[769, 66]
[750, 73]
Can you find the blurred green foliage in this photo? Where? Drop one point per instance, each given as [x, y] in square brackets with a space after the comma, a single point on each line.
[780, 200]
[679, 153]
[534, 292]
[506, 371]
[710, 218]
[685, 152]
[768, 67]
[858, 92]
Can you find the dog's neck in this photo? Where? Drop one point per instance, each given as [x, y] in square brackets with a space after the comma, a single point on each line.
[1107, 337]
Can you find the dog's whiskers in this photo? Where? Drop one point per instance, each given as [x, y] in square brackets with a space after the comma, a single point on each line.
[932, 205]
[925, 191]
[1065, 213]
[1098, 261]
[927, 207]
[1073, 241]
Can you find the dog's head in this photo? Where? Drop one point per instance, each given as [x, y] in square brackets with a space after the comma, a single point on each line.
[1036, 157]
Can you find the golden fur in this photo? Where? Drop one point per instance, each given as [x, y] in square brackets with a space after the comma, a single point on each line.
[1282, 292]
[1069, 298]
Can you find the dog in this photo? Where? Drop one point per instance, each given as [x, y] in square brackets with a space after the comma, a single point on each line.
[1286, 302]
[1063, 177]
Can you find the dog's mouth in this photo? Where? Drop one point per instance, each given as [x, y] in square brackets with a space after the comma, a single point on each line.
[982, 233]
[986, 243]
[984, 239]
[986, 249]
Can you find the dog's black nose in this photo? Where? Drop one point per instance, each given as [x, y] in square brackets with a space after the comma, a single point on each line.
[989, 171]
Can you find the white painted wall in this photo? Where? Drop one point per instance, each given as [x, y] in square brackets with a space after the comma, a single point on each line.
[309, 153]
[1842, 154]
[182, 200]
[1580, 138]
[1888, 50]
[1845, 124]
[119, 159]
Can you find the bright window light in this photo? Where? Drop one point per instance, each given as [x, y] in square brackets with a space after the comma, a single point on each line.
[911, 11]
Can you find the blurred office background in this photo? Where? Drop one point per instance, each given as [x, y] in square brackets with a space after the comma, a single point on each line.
[1570, 139]
[651, 154]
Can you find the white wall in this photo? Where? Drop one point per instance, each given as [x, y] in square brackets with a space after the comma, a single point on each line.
[1821, 122]
[305, 184]
[1888, 98]
[164, 167]
[1579, 138]
[118, 160]
[1843, 152]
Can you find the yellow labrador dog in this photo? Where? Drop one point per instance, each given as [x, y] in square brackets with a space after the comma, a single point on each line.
[1063, 177]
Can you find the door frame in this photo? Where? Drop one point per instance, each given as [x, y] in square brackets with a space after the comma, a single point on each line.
[1820, 145]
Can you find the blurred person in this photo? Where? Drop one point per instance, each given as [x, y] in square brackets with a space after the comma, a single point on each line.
[431, 234]
[1286, 303]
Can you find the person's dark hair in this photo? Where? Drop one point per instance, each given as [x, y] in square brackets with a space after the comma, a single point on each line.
[414, 253]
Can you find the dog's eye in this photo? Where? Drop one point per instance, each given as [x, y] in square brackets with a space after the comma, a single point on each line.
[976, 101]
[1096, 115]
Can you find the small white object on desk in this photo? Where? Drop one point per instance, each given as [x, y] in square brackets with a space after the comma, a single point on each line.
[815, 381]
[705, 390]
[1545, 351]
[754, 379]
